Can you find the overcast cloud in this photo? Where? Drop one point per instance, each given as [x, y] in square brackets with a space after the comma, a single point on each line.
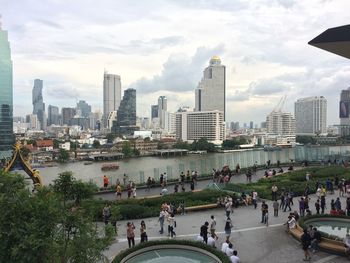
[161, 47]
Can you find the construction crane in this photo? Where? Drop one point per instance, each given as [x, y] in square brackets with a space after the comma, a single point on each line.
[280, 104]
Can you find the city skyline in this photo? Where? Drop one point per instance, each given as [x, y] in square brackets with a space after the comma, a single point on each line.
[263, 45]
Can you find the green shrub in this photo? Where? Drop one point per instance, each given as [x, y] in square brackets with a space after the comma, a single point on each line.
[216, 252]
[294, 181]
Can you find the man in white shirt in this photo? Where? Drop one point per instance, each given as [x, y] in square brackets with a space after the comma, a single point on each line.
[291, 222]
[229, 250]
[224, 246]
[211, 241]
[234, 258]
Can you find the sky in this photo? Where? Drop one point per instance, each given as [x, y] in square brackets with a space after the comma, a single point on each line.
[161, 47]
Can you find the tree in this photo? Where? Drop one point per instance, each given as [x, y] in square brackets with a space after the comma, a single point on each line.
[181, 145]
[202, 145]
[305, 139]
[50, 225]
[25, 151]
[110, 137]
[63, 156]
[56, 143]
[127, 149]
[160, 145]
[234, 142]
[96, 144]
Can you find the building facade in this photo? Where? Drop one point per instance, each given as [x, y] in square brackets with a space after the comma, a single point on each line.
[311, 116]
[162, 109]
[154, 111]
[67, 115]
[112, 92]
[196, 125]
[280, 123]
[7, 138]
[38, 103]
[126, 114]
[84, 109]
[53, 115]
[211, 91]
[344, 107]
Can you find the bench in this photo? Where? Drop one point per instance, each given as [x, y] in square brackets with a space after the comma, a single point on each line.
[198, 208]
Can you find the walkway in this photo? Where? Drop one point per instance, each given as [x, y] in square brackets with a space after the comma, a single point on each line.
[254, 241]
[110, 196]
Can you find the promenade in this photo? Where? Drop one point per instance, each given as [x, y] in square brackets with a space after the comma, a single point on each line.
[201, 184]
[254, 241]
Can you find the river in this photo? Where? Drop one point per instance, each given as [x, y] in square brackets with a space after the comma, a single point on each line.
[138, 169]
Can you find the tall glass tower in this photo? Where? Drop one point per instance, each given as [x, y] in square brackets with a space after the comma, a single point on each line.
[7, 138]
[38, 103]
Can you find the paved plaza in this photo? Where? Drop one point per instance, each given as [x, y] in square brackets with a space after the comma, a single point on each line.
[254, 241]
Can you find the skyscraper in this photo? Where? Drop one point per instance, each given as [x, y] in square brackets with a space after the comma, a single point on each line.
[154, 111]
[310, 115]
[211, 91]
[112, 91]
[83, 108]
[67, 115]
[126, 114]
[53, 115]
[38, 103]
[7, 138]
[162, 108]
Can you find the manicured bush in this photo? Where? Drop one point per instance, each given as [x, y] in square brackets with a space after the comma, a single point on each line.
[294, 181]
[149, 207]
[216, 252]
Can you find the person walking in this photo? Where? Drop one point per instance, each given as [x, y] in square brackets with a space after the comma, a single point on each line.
[317, 206]
[118, 191]
[302, 207]
[143, 234]
[287, 203]
[228, 227]
[306, 242]
[323, 203]
[213, 227]
[274, 190]
[105, 181]
[130, 234]
[162, 215]
[255, 198]
[171, 225]
[106, 213]
[264, 210]
[204, 232]
[228, 206]
[275, 208]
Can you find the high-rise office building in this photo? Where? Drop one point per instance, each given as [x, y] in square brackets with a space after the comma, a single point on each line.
[126, 114]
[38, 103]
[67, 115]
[112, 92]
[53, 115]
[7, 138]
[162, 109]
[154, 111]
[280, 123]
[310, 116]
[211, 91]
[195, 125]
[33, 121]
[344, 108]
[83, 108]
[251, 125]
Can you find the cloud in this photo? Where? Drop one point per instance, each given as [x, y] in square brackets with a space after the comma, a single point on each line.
[179, 73]
[268, 87]
[61, 91]
[239, 96]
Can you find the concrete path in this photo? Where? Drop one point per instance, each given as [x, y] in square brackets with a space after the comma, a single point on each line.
[254, 241]
[241, 178]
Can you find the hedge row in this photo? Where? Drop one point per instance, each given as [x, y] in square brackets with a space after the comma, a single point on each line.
[294, 181]
[216, 252]
[149, 207]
